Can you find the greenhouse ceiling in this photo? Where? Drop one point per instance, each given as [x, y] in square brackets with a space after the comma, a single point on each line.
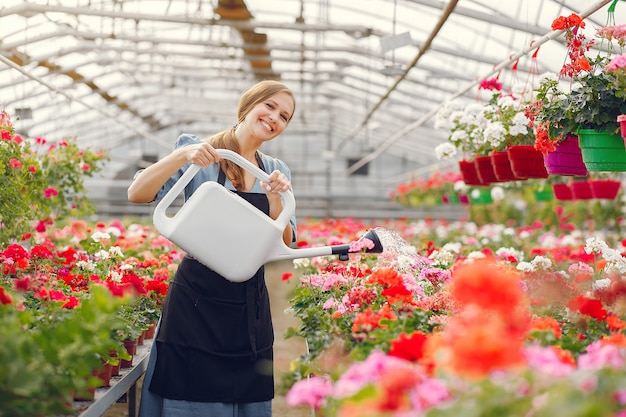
[110, 72]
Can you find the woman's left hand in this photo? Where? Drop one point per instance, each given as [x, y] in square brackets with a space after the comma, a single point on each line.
[277, 183]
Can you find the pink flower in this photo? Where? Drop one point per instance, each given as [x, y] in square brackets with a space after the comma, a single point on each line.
[601, 355]
[40, 141]
[429, 393]
[618, 62]
[546, 360]
[50, 192]
[85, 167]
[5, 135]
[492, 84]
[312, 392]
[334, 280]
[15, 163]
[32, 168]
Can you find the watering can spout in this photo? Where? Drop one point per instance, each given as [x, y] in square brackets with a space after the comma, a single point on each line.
[284, 252]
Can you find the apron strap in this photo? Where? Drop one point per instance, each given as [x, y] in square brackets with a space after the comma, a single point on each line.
[221, 176]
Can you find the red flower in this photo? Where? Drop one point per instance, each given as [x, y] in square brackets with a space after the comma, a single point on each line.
[286, 276]
[5, 298]
[588, 306]
[410, 347]
[50, 192]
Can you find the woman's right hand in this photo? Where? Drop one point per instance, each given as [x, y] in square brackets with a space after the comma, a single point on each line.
[202, 154]
[146, 185]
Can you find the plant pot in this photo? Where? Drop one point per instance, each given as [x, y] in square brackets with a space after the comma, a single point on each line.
[105, 374]
[131, 348]
[605, 189]
[480, 195]
[527, 162]
[621, 119]
[566, 159]
[469, 173]
[581, 190]
[115, 367]
[547, 194]
[149, 333]
[485, 169]
[562, 191]
[502, 167]
[602, 151]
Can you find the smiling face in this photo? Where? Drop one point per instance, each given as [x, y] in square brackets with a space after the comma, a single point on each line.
[269, 118]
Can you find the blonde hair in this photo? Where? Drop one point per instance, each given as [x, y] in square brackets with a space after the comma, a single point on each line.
[226, 139]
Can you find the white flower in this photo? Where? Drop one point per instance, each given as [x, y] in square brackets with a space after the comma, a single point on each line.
[445, 151]
[115, 276]
[601, 283]
[476, 255]
[442, 258]
[102, 254]
[595, 245]
[454, 247]
[85, 265]
[126, 267]
[497, 193]
[525, 267]
[116, 251]
[495, 134]
[541, 262]
[98, 236]
[460, 186]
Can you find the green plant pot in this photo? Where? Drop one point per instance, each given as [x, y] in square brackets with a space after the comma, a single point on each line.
[544, 195]
[481, 195]
[602, 151]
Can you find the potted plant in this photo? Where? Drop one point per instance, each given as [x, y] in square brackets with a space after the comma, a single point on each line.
[466, 126]
[591, 108]
[617, 67]
[510, 130]
[556, 132]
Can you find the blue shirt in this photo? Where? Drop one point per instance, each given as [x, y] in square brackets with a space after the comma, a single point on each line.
[211, 173]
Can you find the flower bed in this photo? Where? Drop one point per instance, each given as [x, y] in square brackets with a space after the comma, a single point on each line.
[461, 319]
[68, 304]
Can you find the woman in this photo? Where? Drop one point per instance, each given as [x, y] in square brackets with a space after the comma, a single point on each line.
[213, 354]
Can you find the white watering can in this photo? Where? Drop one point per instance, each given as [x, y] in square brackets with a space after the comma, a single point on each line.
[229, 235]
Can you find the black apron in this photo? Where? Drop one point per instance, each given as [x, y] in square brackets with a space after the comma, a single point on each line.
[215, 342]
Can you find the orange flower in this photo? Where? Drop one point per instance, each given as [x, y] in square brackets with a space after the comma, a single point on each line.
[489, 284]
[615, 323]
[547, 323]
[369, 320]
[478, 344]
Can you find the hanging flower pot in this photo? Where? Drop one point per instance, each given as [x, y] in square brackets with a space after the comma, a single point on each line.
[562, 191]
[605, 189]
[566, 159]
[485, 169]
[527, 162]
[602, 151]
[502, 167]
[621, 119]
[469, 174]
[581, 190]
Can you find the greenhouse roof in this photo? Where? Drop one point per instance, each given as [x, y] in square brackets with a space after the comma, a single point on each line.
[111, 72]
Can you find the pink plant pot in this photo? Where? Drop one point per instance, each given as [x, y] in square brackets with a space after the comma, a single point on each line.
[621, 119]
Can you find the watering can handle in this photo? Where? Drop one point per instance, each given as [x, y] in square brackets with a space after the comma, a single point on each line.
[289, 201]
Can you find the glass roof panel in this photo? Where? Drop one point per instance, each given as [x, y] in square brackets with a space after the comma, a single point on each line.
[142, 71]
